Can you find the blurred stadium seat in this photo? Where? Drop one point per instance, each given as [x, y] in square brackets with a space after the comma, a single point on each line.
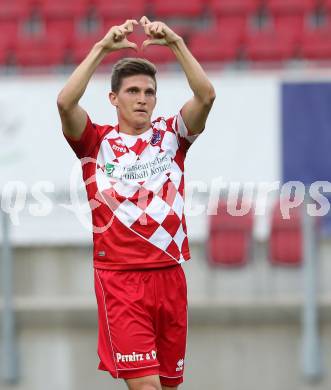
[326, 4]
[63, 8]
[269, 46]
[206, 48]
[39, 52]
[289, 26]
[256, 30]
[62, 29]
[15, 9]
[233, 25]
[230, 237]
[83, 44]
[290, 6]
[285, 242]
[124, 9]
[317, 44]
[228, 7]
[172, 8]
[159, 54]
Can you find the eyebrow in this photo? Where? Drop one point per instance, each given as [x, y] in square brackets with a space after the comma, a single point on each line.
[138, 89]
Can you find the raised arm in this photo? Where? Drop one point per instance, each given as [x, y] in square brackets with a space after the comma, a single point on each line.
[74, 117]
[196, 110]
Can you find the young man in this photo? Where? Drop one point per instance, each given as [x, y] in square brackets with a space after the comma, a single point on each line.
[134, 175]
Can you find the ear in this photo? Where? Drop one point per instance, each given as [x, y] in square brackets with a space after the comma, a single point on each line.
[113, 98]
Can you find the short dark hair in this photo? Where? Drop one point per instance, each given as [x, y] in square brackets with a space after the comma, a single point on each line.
[130, 67]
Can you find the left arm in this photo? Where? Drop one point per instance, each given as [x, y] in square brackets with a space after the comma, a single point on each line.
[196, 110]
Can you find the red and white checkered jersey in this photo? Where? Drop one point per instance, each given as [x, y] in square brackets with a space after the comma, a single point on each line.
[135, 186]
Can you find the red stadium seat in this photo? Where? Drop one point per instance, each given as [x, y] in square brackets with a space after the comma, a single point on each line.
[205, 49]
[82, 46]
[227, 7]
[62, 29]
[230, 237]
[108, 22]
[173, 8]
[285, 243]
[317, 44]
[269, 46]
[233, 25]
[14, 9]
[4, 53]
[123, 9]
[39, 52]
[159, 54]
[326, 4]
[290, 26]
[64, 8]
[290, 6]
[8, 33]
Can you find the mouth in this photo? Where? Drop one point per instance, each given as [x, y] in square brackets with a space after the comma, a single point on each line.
[141, 111]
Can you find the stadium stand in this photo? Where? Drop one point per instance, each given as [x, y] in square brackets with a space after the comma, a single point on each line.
[230, 237]
[269, 46]
[231, 7]
[223, 31]
[124, 9]
[174, 8]
[202, 44]
[290, 6]
[317, 44]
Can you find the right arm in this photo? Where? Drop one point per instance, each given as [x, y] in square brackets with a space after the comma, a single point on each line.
[74, 117]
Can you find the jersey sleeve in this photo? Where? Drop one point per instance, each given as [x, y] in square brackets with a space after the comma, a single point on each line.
[89, 139]
[184, 136]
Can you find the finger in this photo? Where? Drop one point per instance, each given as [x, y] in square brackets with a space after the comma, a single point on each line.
[152, 28]
[147, 29]
[127, 30]
[149, 42]
[132, 45]
[159, 29]
[129, 24]
[144, 20]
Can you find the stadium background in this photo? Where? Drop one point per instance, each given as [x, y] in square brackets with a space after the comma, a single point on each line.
[269, 61]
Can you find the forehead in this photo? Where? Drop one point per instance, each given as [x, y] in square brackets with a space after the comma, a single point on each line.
[141, 81]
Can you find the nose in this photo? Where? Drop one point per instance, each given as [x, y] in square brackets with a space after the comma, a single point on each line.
[142, 98]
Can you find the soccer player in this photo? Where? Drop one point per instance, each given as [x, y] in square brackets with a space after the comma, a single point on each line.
[134, 176]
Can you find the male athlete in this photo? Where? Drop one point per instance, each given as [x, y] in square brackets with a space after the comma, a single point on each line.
[134, 176]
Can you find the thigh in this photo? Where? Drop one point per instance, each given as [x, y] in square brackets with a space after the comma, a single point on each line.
[126, 344]
[172, 326]
[152, 381]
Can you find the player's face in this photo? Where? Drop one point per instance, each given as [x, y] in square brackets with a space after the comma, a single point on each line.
[135, 101]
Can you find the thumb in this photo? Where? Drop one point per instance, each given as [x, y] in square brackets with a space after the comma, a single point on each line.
[132, 45]
[149, 42]
[144, 20]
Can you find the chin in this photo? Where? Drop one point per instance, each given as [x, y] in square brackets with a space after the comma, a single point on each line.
[141, 124]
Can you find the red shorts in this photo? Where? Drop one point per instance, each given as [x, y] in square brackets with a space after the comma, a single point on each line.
[142, 323]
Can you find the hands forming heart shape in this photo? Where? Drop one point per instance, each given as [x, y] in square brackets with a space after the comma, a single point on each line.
[158, 33]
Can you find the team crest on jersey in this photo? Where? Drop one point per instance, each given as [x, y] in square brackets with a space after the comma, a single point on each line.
[156, 138]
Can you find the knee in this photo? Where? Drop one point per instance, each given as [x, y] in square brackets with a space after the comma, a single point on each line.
[145, 384]
[150, 386]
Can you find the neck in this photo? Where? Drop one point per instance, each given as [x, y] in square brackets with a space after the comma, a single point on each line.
[127, 128]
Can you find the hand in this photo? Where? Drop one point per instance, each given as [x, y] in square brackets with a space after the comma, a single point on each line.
[116, 38]
[158, 32]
